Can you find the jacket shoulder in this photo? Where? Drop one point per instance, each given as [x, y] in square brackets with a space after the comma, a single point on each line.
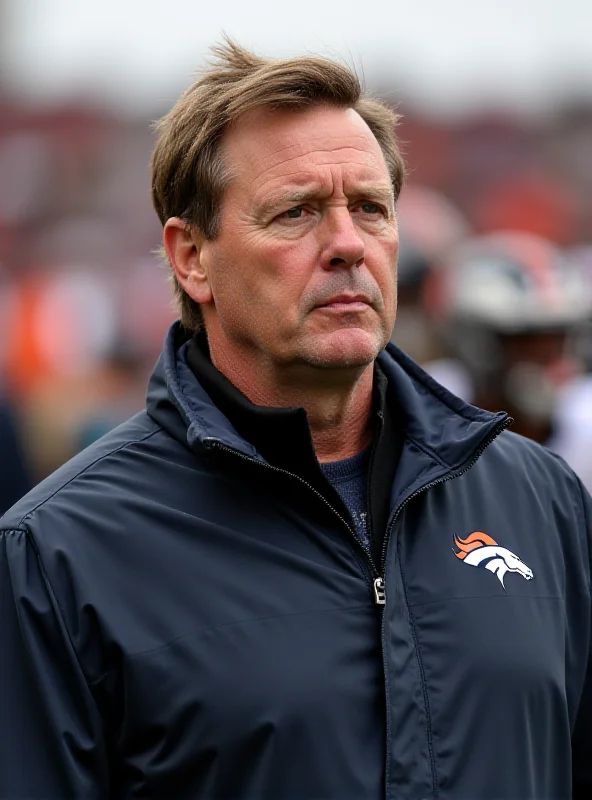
[525, 452]
[521, 462]
[107, 455]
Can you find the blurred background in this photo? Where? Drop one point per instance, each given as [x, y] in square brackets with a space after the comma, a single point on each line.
[496, 219]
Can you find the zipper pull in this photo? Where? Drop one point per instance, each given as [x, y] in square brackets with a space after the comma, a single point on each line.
[379, 592]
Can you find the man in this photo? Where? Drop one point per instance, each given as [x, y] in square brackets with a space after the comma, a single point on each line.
[296, 575]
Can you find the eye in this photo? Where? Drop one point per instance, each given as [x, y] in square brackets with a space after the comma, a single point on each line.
[371, 208]
[297, 217]
[293, 213]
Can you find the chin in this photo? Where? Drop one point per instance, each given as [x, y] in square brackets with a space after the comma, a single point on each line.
[345, 350]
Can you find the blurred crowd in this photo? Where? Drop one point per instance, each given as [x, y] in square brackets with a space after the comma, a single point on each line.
[495, 269]
[495, 274]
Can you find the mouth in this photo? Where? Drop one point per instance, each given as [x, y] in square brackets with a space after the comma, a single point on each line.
[344, 302]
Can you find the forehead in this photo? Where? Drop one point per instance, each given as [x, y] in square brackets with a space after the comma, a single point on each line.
[267, 145]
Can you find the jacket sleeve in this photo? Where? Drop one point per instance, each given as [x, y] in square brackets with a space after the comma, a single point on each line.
[50, 728]
[582, 734]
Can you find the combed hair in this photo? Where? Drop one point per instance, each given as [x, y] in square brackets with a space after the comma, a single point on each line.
[189, 174]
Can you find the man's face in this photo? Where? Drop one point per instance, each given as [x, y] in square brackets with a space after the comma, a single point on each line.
[303, 270]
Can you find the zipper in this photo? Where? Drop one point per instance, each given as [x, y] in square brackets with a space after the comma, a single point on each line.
[379, 592]
[379, 585]
[379, 582]
[216, 444]
[378, 576]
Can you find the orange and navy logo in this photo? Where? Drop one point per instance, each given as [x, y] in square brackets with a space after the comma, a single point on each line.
[480, 550]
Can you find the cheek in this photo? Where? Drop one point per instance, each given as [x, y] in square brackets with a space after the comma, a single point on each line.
[281, 269]
[390, 245]
[382, 255]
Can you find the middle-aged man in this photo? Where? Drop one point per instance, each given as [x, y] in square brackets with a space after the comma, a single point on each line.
[306, 571]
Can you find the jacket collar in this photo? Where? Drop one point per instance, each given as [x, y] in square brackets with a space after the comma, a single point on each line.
[281, 435]
[443, 434]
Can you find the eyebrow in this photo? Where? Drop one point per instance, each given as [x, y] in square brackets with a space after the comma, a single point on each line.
[295, 196]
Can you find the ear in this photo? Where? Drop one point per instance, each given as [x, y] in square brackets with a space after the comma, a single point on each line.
[183, 247]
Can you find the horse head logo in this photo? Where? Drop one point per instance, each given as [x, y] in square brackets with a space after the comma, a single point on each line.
[480, 550]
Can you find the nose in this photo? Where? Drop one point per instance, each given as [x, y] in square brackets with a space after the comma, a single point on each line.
[343, 246]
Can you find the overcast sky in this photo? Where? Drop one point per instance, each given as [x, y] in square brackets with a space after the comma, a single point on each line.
[442, 53]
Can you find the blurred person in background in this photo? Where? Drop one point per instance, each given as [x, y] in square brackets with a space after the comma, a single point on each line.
[15, 470]
[501, 351]
[572, 422]
[76, 233]
[295, 575]
[116, 395]
[15, 477]
[430, 227]
[512, 309]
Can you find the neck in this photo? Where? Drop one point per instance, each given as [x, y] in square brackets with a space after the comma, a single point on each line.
[338, 403]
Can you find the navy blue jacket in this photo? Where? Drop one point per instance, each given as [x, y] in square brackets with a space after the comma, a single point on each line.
[181, 620]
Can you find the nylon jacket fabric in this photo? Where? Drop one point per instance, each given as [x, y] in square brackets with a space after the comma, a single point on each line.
[178, 619]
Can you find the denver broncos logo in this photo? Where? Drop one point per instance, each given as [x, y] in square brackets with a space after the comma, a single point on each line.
[480, 550]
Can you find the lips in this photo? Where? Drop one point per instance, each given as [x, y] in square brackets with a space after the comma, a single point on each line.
[346, 300]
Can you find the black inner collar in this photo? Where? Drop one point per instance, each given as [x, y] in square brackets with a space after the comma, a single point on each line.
[282, 435]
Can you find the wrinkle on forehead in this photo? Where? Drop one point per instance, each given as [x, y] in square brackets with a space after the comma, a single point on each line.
[328, 182]
[313, 143]
[344, 156]
[271, 147]
[324, 178]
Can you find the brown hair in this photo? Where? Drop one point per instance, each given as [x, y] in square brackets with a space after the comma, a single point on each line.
[188, 171]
